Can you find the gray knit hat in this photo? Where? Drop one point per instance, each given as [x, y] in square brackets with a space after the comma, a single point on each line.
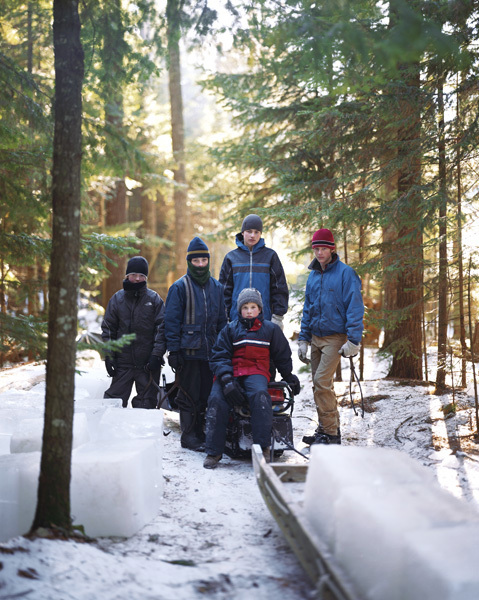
[252, 222]
[249, 295]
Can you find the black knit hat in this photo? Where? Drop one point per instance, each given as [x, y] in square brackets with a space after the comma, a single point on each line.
[252, 222]
[197, 249]
[137, 264]
[249, 295]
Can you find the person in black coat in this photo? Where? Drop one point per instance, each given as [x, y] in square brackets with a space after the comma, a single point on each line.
[139, 310]
[194, 315]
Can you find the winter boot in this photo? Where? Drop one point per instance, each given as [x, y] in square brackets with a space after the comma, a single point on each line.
[211, 462]
[313, 439]
[189, 438]
[326, 438]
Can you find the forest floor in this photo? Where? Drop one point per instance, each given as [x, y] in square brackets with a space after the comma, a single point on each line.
[213, 536]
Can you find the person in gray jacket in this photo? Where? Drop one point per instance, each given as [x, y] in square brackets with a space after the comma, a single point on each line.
[139, 310]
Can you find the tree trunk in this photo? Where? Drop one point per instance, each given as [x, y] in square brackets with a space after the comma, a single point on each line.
[407, 334]
[116, 209]
[53, 507]
[442, 275]
[180, 193]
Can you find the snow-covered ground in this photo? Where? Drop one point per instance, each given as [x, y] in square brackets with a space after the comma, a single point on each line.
[214, 536]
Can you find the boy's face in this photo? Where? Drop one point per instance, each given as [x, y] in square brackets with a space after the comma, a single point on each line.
[136, 277]
[251, 237]
[323, 255]
[199, 262]
[250, 310]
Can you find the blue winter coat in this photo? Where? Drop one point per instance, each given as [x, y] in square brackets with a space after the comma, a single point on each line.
[333, 302]
[245, 349]
[258, 268]
[195, 341]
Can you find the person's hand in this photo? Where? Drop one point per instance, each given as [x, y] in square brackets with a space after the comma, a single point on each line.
[303, 352]
[349, 349]
[278, 320]
[110, 366]
[154, 363]
[293, 382]
[176, 360]
[232, 391]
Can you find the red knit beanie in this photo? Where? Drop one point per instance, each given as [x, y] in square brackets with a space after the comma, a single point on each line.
[324, 238]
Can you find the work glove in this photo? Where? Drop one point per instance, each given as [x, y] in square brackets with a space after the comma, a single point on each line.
[154, 364]
[278, 320]
[293, 382]
[110, 366]
[303, 352]
[232, 391]
[176, 360]
[349, 349]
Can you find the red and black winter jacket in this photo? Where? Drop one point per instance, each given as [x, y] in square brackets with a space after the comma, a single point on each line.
[245, 348]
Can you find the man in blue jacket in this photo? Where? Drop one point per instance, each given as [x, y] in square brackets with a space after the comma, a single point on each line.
[253, 265]
[194, 315]
[332, 324]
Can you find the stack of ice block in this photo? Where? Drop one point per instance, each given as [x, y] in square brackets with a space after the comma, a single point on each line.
[390, 526]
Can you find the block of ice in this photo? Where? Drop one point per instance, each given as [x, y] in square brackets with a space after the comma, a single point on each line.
[334, 468]
[120, 423]
[370, 528]
[116, 486]
[18, 493]
[91, 383]
[441, 564]
[27, 436]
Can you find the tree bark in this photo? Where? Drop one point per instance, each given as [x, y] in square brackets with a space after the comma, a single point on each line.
[53, 507]
[442, 275]
[180, 193]
[407, 354]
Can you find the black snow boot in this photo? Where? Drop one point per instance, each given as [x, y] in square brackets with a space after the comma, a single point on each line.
[326, 438]
[321, 437]
[189, 432]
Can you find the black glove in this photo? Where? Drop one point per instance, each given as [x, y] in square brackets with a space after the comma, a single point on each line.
[110, 366]
[232, 391]
[154, 363]
[293, 383]
[176, 360]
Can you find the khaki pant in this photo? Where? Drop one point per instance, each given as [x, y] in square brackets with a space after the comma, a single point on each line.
[324, 362]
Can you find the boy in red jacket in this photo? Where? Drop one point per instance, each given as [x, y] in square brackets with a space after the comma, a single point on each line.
[240, 362]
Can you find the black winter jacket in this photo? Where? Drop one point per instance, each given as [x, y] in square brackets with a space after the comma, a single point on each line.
[142, 313]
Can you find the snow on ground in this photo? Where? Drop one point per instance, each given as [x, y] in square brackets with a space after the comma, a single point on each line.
[214, 536]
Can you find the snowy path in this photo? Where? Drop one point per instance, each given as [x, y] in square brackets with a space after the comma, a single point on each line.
[214, 537]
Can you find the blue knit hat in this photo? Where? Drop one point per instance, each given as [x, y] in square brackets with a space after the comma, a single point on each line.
[137, 264]
[197, 249]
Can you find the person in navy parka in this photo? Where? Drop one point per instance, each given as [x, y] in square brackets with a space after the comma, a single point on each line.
[139, 310]
[332, 324]
[194, 315]
[253, 265]
[240, 362]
